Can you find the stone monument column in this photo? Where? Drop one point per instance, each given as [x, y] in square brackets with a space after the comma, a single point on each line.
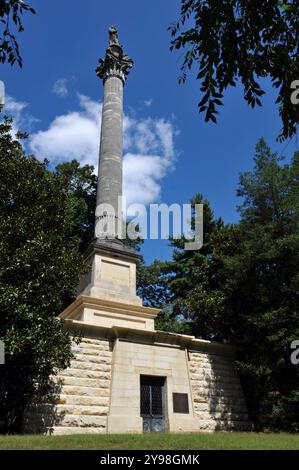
[113, 71]
[112, 274]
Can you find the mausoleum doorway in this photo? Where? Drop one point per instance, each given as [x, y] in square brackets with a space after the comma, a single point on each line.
[152, 403]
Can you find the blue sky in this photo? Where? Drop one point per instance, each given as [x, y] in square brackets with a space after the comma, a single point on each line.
[171, 153]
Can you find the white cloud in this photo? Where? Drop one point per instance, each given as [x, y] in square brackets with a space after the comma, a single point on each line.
[148, 103]
[142, 178]
[74, 135]
[22, 120]
[149, 152]
[60, 87]
[14, 107]
[149, 156]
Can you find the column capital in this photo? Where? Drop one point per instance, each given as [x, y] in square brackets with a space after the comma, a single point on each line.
[116, 63]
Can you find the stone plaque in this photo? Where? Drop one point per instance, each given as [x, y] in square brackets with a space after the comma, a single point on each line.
[180, 403]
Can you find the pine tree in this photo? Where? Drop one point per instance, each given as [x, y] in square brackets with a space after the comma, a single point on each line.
[243, 286]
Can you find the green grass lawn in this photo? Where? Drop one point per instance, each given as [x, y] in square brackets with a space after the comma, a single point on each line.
[217, 441]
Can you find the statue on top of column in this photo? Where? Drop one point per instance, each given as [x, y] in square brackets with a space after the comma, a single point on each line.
[116, 63]
[113, 36]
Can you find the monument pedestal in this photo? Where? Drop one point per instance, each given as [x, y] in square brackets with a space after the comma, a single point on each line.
[112, 272]
[99, 312]
[107, 294]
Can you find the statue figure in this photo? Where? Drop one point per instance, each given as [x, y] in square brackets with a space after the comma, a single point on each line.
[113, 37]
[116, 63]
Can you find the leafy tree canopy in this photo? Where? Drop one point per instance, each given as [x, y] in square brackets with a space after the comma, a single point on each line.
[43, 215]
[241, 40]
[46, 223]
[11, 18]
[152, 287]
[242, 287]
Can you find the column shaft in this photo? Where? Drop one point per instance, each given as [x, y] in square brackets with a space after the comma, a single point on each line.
[111, 146]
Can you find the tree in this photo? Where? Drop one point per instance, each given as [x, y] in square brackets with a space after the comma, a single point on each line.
[241, 40]
[40, 265]
[242, 287]
[189, 269]
[11, 11]
[152, 287]
[80, 184]
[152, 284]
[46, 224]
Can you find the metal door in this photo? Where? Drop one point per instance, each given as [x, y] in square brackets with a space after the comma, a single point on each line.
[152, 403]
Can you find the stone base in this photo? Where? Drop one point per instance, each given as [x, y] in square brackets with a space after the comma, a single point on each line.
[100, 392]
[81, 394]
[105, 313]
[112, 274]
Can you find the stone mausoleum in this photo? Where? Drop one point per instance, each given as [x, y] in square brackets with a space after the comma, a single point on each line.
[128, 377]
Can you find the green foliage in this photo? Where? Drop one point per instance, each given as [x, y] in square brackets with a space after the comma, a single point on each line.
[168, 320]
[152, 284]
[241, 40]
[11, 11]
[152, 287]
[46, 223]
[80, 185]
[242, 287]
[40, 265]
